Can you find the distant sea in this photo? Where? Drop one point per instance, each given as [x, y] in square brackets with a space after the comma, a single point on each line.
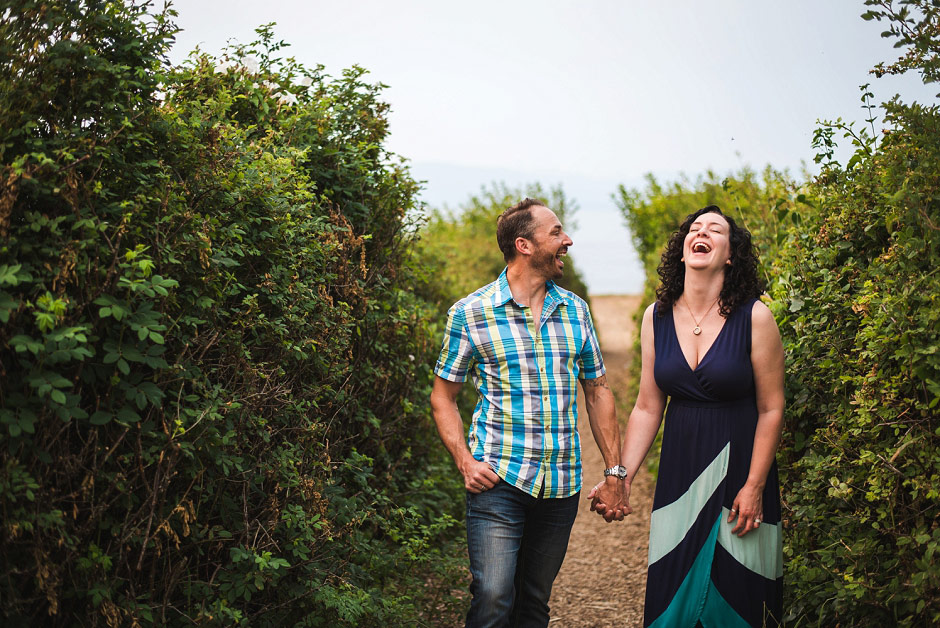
[602, 247]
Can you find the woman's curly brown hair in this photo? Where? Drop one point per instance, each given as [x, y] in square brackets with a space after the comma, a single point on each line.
[742, 281]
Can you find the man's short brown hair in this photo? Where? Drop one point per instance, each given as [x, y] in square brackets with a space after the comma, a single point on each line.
[516, 222]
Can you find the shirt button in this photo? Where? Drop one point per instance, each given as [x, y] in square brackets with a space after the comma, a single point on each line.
[545, 398]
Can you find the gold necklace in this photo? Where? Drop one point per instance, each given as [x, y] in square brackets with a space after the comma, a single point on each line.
[698, 323]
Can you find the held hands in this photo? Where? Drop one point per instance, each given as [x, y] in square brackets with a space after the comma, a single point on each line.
[611, 499]
[478, 476]
[748, 508]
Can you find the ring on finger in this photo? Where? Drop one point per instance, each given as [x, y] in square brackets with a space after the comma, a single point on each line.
[757, 522]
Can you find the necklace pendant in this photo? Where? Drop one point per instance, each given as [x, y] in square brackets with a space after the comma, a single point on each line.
[697, 330]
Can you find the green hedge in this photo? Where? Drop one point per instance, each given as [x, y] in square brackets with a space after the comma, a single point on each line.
[214, 365]
[857, 293]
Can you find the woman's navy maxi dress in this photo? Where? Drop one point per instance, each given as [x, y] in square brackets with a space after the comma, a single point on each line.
[700, 573]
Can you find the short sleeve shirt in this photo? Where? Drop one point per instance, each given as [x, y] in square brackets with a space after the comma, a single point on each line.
[525, 423]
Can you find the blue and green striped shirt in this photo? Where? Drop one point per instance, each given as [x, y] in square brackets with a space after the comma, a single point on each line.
[525, 424]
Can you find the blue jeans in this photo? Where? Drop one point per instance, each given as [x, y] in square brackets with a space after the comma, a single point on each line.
[517, 544]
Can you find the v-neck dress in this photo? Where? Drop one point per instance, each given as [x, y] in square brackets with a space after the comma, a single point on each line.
[700, 574]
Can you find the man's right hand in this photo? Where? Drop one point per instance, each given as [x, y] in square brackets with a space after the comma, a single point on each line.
[478, 476]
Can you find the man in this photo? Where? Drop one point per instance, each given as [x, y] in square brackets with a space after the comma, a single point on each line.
[525, 342]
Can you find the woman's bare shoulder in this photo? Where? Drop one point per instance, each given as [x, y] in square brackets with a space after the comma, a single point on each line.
[761, 314]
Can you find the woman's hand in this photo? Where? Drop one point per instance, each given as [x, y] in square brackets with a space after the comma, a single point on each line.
[748, 509]
[602, 509]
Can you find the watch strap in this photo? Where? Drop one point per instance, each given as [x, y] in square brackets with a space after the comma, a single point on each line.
[617, 470]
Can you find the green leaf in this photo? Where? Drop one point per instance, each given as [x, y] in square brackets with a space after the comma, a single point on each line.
[57, 380]
[22, 343]
[7, 305]
[132, 354]
[101, 417]
[12, 275]
[28, 424]
[152, 392]
[77, 413]
[128, 415]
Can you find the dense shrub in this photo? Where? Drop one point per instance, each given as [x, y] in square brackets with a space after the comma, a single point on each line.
[857, 303]
[853, 257]
[214, 366]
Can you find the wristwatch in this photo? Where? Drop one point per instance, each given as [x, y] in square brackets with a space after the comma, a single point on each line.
[619, 470]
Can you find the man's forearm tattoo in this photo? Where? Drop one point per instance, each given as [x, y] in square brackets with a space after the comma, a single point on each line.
[597, 382]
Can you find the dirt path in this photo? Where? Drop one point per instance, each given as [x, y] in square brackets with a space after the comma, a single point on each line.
[603, 579]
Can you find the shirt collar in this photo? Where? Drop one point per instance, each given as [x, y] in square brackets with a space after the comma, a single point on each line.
[503, 293]
[553, 297]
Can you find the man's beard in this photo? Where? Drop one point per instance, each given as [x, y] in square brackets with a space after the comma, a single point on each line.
[545, 263]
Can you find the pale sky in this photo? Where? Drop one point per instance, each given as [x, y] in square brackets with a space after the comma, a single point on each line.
[587, 94]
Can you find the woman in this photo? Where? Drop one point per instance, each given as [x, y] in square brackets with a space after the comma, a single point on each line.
[712, 348]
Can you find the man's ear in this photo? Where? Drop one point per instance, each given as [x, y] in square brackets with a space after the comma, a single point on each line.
[523, 246]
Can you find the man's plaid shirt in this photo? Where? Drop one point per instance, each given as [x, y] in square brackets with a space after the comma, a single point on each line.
[525, 424]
